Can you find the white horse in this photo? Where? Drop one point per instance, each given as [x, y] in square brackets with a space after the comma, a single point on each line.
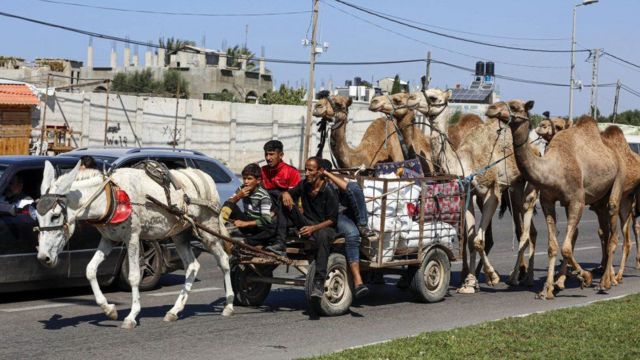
[83, 195]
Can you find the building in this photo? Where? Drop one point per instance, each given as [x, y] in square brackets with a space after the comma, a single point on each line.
[17, 102]
[479, 95]
[207, 71]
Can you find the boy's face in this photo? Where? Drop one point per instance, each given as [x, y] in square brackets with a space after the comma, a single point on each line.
[273, 157]
[250, 181]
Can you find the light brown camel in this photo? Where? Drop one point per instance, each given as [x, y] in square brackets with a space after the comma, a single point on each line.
[577, 169]
[372, 147]
[395, 107]
[614, 138]
[488, 143]
[459, 130]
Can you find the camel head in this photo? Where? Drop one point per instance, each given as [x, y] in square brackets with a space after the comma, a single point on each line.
[331, 106]
[548, 128]
[395, 105]
[512, 111]
[430, 102]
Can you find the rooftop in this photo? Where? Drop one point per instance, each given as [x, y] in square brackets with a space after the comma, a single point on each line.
[17, 94]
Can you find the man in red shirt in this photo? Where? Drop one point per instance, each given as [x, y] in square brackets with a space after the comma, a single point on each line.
[277, 178]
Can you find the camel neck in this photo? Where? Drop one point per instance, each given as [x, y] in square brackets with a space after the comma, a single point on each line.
[532, 167]
[339, 147]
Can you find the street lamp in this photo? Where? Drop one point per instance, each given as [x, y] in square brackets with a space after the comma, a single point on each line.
[573, 54]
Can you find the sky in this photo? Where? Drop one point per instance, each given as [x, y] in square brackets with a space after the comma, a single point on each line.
[354, 36]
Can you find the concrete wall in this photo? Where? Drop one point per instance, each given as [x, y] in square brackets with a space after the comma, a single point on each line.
[231, 132]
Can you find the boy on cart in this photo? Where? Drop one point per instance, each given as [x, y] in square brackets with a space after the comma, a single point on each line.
[255, 222]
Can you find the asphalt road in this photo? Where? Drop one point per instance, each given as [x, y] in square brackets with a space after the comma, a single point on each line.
[67, 324]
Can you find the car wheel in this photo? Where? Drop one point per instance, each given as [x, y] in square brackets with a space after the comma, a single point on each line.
[150, 267]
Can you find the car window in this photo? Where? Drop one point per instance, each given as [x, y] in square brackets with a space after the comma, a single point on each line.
[216, 172]
[31, 180]
[172, 162]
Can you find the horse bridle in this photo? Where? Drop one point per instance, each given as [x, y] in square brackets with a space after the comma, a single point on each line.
[45, 204]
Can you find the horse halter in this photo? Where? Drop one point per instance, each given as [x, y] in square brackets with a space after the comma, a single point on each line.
[45, 204]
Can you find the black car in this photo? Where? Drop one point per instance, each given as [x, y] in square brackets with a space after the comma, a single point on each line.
[19, 268]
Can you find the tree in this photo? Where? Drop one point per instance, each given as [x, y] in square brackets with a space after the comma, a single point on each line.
[455, 117]
[235, 53]
[631, 117]
[171, 44]
[142, 82]
[171, 80]
[221, 96]
[284, 95]
[396, 88]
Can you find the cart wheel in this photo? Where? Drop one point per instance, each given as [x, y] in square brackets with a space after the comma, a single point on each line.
[338, 287]
[249, 293]
[431, 280]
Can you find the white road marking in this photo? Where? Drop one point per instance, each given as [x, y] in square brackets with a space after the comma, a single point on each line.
[35, 307]
[581, 221]
[576, 249]
[166, 293]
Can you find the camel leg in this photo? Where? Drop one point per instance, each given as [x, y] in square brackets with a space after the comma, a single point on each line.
[469, 281]
[636, 231]
[104, 249]
[549, 210]
[488, 210]
[133, 255]
[191, 266]
[530, 228]
[574, 213]
[603, 234]
[608, 277]
[562, 274]
[523, 220]
[626, 218]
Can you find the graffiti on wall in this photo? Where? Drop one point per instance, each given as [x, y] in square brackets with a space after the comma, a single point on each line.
[169, 131]
[113, 139]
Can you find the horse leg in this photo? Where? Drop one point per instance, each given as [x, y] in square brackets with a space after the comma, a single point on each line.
[133, 255]
[549, 210]
[489, 208]
[104, 249]
[223, 262]
[191, 266]
[625, 219]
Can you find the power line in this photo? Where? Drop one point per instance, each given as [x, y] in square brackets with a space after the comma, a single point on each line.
[469, 32]
[621, 59]
[140, 11]
[439, 47]
[477, 42]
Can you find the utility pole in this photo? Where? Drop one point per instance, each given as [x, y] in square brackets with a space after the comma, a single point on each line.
[43, 127]
[175, 123]
[427, 80]
[594, 84]
[615, 101]
[106, 114]
[312, 65]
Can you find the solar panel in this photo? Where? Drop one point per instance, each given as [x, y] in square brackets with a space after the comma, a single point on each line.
[470, 95]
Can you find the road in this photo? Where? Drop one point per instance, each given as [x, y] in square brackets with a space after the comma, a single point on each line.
[67, 324]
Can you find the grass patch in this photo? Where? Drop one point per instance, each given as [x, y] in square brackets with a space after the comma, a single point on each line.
[604, 330]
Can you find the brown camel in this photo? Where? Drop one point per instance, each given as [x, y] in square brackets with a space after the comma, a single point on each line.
[614, 138]
[373, 147]
[459, 130]
[484, 145]
[577, 169]
[395, 107]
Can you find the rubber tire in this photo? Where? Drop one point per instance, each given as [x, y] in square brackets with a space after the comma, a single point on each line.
[337, 263]
[150, 273]
[246, 293]
[436, 262]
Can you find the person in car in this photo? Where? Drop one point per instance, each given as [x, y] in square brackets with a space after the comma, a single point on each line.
[87, 162]
[277, 178]
[352, 222]
[317, 219]
[255, 222]
[14, 197]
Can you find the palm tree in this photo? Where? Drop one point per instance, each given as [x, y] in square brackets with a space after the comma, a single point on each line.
[171, 44]
[234, 54]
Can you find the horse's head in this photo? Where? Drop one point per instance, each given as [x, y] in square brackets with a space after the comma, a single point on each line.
[56, 222]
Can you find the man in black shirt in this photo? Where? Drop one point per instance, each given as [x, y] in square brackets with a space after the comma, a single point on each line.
[318, 218]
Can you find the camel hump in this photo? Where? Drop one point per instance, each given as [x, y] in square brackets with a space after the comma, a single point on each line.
[469, 120]
[613, 132]
[586, 121]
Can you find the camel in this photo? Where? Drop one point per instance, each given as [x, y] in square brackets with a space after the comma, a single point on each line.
[459, 130]
[374, 146]
[614, 138]
[577, 169]
[547, 128]
[395, 107]
[486, 144]
[85, 195]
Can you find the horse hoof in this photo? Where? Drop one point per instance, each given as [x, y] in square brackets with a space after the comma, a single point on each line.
[227, 312]
[170, 317]
[128, 324]
[111, 312]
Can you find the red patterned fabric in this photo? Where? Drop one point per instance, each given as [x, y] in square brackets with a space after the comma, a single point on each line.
[443, 202]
